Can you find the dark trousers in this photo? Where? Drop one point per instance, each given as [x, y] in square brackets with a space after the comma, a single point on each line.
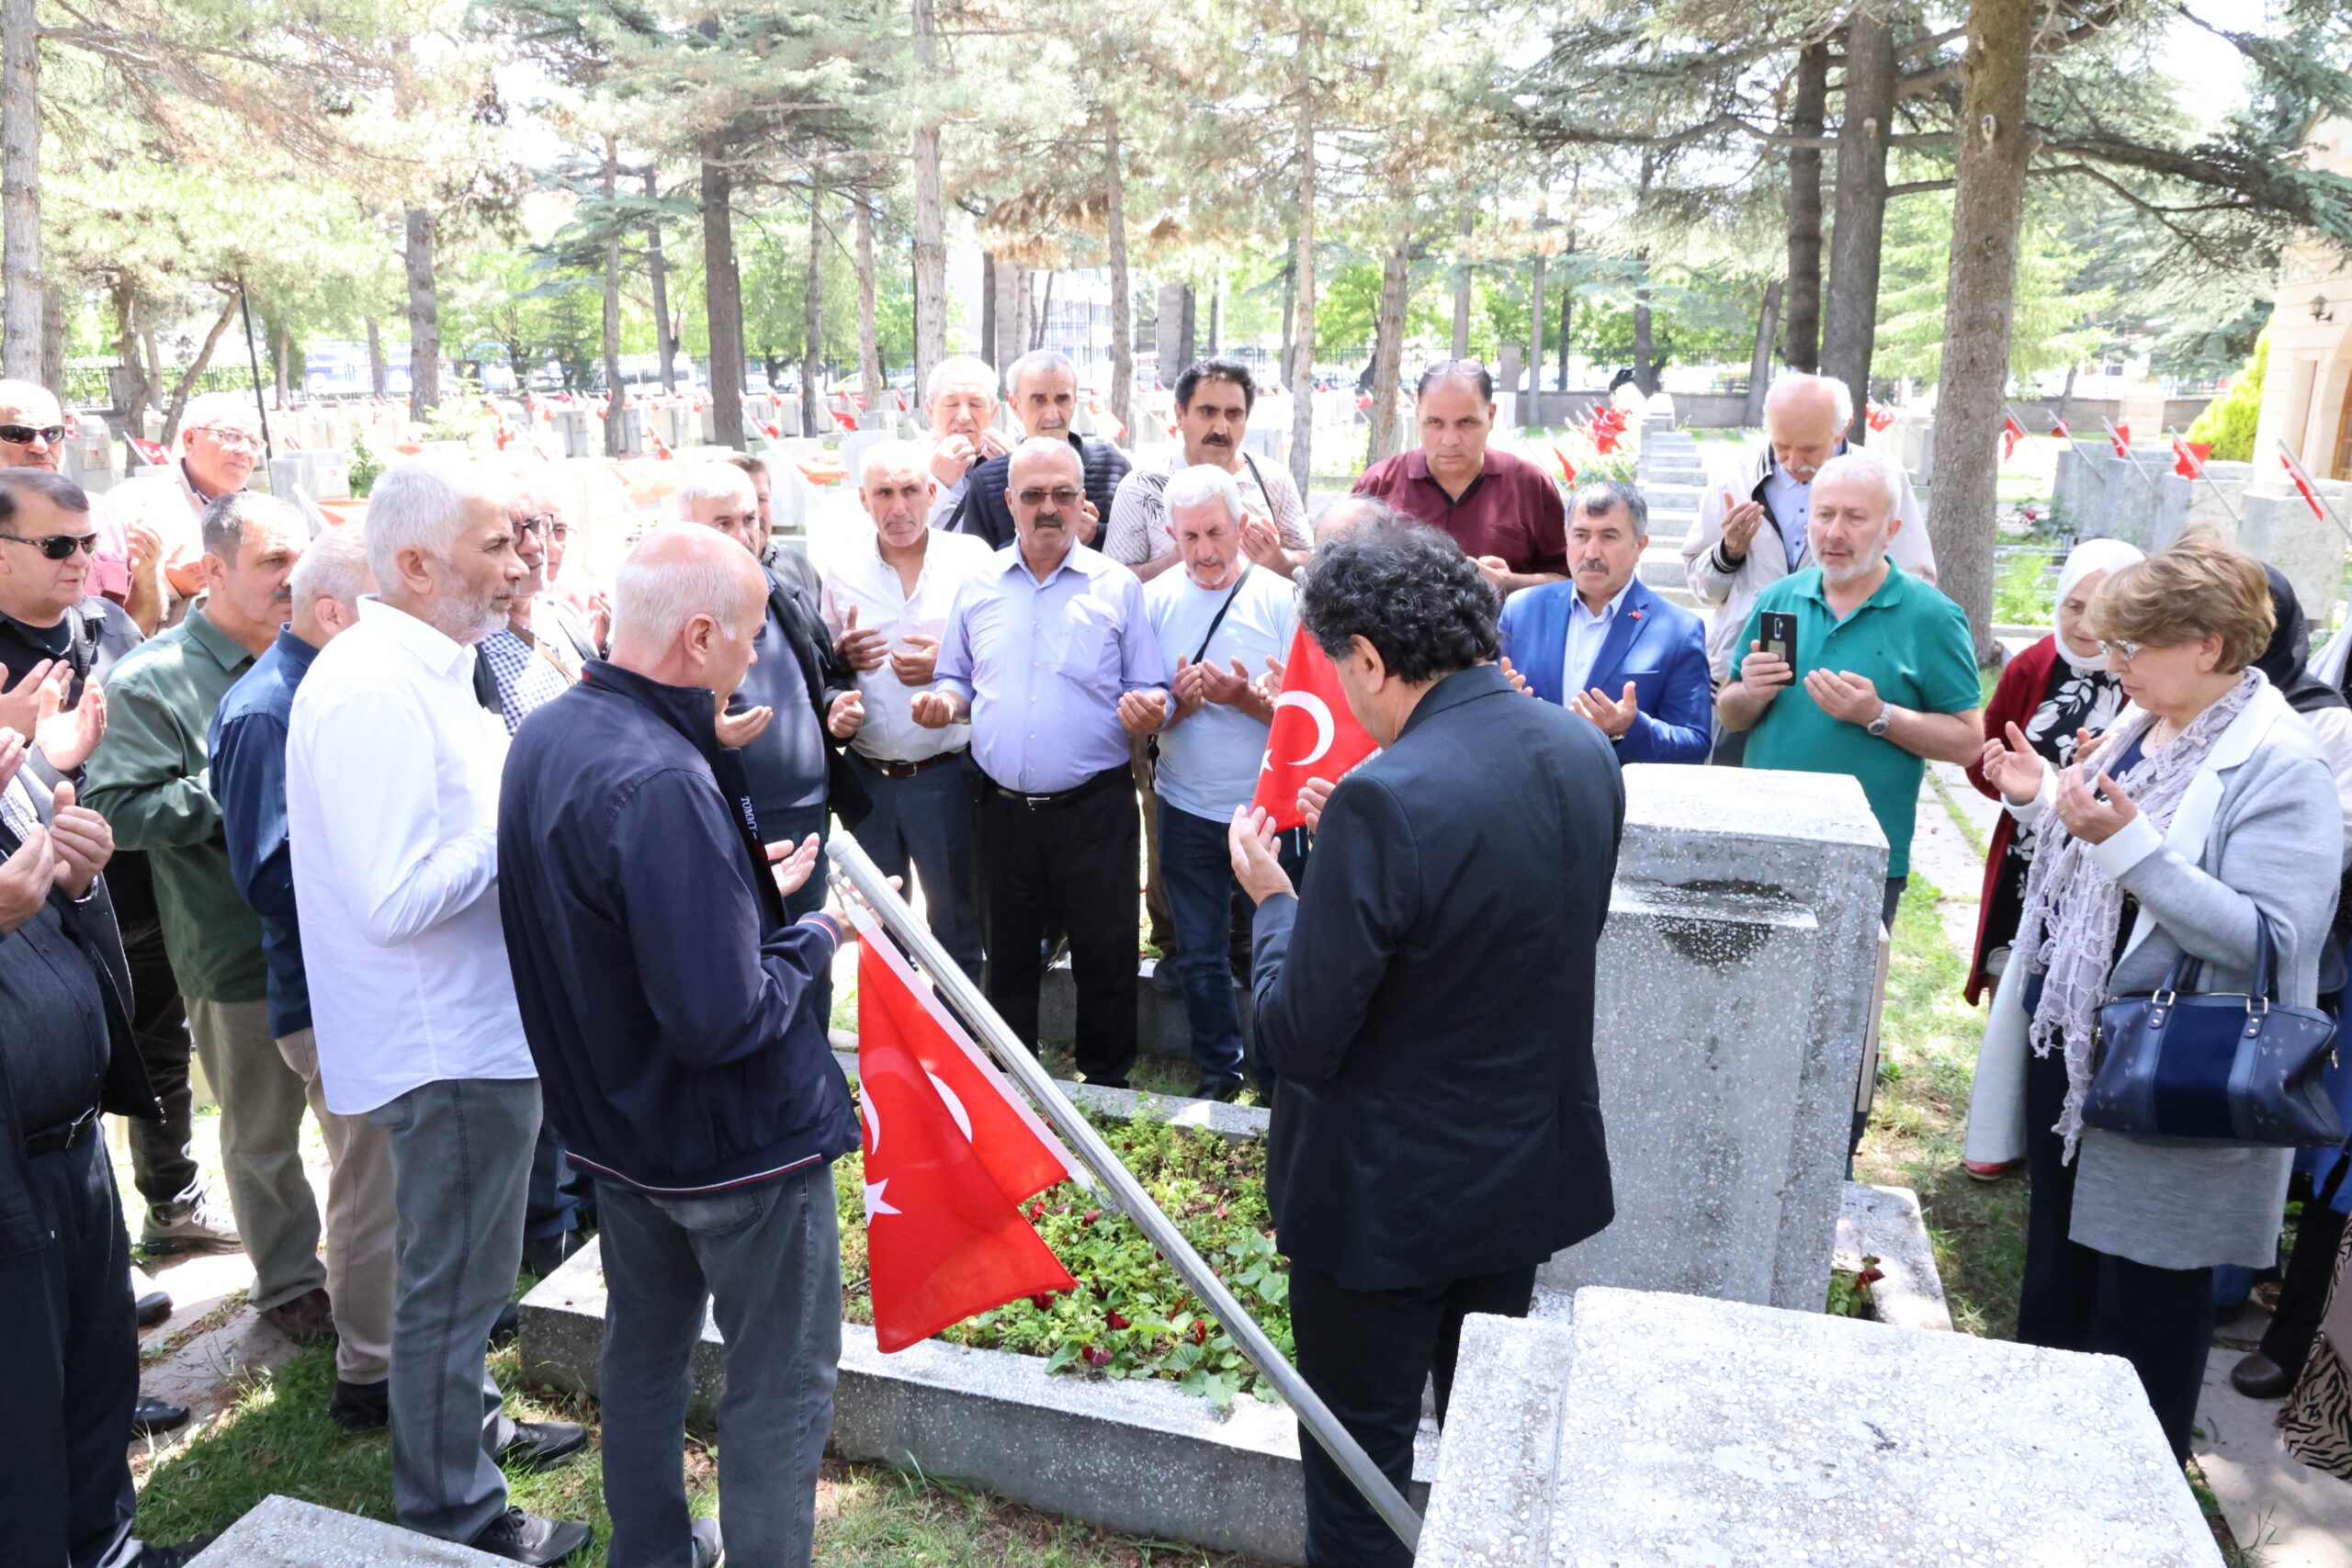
[2072, 1298]
[69, 1368]
[560, 1199]
[1367, 1354]
[922, 827]
[1072, 863]
[165, 1171]
[1213, 915]
[2303, 1295]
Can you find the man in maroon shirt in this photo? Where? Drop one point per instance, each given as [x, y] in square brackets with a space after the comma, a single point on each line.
[1502, 510]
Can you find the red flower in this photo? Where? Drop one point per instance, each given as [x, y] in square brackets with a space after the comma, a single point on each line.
[1042, 1302]
[1095, 1356]
[1201, 1332]
[1115, 1321]
[1091, 1215]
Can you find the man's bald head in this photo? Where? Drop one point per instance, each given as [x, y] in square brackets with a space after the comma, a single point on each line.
[1354, 511]
[686, 605]
[35, 407]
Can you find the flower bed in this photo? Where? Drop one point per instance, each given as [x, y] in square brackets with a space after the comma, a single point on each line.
[1132, 1315]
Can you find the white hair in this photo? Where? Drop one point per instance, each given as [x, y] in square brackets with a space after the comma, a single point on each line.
[421, 505]
[1840, 398]
[958, 367]
[1029, 364]
[712, 481]
[1859, 460]
[668, 579]
[221, 408]
[1202, 482]
[17, 394]
[891, 455]
[334, 567]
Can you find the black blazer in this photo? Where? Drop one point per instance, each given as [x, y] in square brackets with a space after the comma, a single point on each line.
[794, 610]
[984, 514]
[1428, 1000]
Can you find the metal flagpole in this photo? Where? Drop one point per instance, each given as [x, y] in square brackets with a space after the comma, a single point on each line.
[2116, 437]
[850, 866]
[252, 358]
[2313, 486]
[2198, 463]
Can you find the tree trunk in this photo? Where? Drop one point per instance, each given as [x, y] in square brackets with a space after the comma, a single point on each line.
[138, 391]
[1532, 413]
[817, 406]
[1168, 325]
[194, 372]
[424, 319]
[1217, 317]
[722, 292]
[1759, 362]
[931, 233]
[1041, 315]
[1290, 317]
[2066, 397]
[1187, 309]
[616, 410]
[1806, 109]
[665, 340]
[1302, 414]
[1461, 294]
[1388, 346]
[1644, 373]
[1850, 325]
[379, 382]
[53, 324]
[1568, 311]
[869, 347]
[1988, 206]
[1122, 331]
[20, 311]
[987, 313]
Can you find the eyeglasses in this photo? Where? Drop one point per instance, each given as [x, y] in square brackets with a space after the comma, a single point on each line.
[2120, 649]
[26, 435]
[546, 524]
[234, 440]
[1061, 497]
[57, 546]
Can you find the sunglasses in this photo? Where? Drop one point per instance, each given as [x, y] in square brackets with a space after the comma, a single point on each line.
[57, 546]
[26, 435]
[1035, 498]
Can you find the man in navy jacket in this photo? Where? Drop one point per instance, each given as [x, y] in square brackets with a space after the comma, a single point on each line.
[678, 1020]
[1603, 645]
[1428, 1004]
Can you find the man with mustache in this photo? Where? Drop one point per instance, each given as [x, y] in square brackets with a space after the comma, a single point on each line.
[1049, 656]
[152, 779]
[1043, 388]
[960, 402]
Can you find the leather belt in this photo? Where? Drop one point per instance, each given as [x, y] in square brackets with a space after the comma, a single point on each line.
[1122, 774]
[891, 769]
[53, 1140]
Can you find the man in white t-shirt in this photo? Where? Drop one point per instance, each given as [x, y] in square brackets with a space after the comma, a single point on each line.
[1218, 620]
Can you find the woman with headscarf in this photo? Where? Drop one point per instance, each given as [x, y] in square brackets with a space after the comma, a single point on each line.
[2055, 692]
[2190, 835]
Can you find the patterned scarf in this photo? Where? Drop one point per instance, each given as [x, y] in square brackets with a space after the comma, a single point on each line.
[2073, 911]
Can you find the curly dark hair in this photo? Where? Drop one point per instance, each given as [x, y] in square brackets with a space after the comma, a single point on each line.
[1408, 589]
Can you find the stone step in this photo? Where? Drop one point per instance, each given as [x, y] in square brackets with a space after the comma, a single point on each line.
[283, 1532]
[1675, 497]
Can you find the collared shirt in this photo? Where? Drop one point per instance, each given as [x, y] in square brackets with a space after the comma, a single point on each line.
[1912, 643]
[1790, 500]
[152, 781]
[788, 763]
[530, 671]
[1209, 761]
[1512, 508]
[863, 580]
[1587, 632]
[167, 501]
[944, 498]
[1043, 666]
[1139, 531]
[392, 806]
[248, 746]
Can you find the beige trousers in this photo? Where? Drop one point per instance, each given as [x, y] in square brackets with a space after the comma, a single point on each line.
[361, 1225]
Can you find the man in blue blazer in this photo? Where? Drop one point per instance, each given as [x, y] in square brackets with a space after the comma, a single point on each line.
[1605, 646]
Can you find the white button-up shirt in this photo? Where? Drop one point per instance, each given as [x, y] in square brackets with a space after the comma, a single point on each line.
[1790, 500]
[391, 812]
[864, 580]
[1587, 632]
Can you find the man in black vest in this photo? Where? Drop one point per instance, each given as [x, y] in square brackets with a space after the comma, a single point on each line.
[1428, 1005]
[1042, 388]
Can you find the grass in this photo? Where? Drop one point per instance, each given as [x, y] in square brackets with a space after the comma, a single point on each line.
[2025, 590]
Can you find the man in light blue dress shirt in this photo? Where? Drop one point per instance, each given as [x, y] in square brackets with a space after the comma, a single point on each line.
[1050, 658]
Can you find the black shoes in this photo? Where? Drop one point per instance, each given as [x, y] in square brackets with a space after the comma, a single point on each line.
[154, 1556]
[361, 1407]
[542, 1255]
[525, 1538]
[708, 1551]
[150, 1304]
[1223, 1093]
[542, 1445]
[2258, 1377]
[149, 1416]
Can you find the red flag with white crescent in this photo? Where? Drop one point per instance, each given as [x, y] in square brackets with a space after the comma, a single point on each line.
[1314, 734]
[149, 452]
[2188, 457]
[2011, 434]
[2058, 428]
[2122, 440]
[2302, 483]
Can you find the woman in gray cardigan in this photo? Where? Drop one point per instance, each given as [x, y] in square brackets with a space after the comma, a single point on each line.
[2210, 806]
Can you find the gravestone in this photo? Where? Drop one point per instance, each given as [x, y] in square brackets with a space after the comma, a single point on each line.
[282, 1532]
[2281, 530]
[1660, 1429]
[2184, 503]
[571, 425]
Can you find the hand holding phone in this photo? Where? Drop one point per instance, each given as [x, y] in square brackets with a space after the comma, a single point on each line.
[1778, 630]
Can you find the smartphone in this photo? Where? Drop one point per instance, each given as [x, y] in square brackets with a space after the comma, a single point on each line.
[1779, 629]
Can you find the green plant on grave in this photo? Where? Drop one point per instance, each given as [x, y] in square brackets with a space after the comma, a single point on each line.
[2024, 595]
[1849, 1295]
[2229, 420]
[364, 466]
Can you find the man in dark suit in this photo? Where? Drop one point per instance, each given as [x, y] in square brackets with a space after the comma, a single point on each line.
[1427, 1006]
[1607, 649]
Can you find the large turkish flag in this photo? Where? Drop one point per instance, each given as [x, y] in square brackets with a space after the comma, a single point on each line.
[1314, 734]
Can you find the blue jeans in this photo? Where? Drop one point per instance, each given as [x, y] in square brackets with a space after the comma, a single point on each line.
[1209, 908]
[924, 824]
[766, 1260]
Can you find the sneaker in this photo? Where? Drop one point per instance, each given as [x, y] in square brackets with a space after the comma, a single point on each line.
[708, 1551]
[542, 1445]
[196, 1225]
[306, 1320]
[361, 1407]
[525, 1538]
[154, 1556]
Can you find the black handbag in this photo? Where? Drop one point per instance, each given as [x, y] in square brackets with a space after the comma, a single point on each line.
[2215, 1067]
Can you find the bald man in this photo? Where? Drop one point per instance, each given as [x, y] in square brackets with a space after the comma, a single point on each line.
[677, 1017]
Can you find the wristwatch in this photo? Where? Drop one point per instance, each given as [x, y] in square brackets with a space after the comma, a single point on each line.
[1883, 722]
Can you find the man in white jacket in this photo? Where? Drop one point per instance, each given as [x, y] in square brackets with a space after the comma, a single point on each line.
[1751, 527]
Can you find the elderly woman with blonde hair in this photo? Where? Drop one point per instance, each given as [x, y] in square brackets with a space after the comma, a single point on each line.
[2189, 833]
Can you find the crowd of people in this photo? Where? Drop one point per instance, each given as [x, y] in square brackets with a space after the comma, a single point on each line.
[516, 883]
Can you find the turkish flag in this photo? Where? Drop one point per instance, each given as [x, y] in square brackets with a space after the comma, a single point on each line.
[1567, 469]
[2188, 457]
[943, 1240]
[149, 452]
[2058, 428]
[1604, 438]
[2123, 441]
[2011, 434]
[1877, 416]
[2302, 484]
[1314, 734]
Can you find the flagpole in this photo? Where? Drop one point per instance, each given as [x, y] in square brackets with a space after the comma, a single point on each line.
[2198, 463]
[2312, 487]
[850, 865]
[2124, 456]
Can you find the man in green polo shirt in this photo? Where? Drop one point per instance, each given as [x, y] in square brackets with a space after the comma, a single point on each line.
[1886, 674]
[151, 779]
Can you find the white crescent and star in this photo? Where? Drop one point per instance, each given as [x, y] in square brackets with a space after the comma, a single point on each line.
[876, 1204]
[1313, 707]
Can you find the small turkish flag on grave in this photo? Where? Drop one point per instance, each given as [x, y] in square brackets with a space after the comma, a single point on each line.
[2058, 428]
[2302, 484]
[949, 1157]
[1567, 469]
[2011, 434]
[1877, 416]
[1314, 734]
[149, 451]
[2188, 457]
[2122, 442]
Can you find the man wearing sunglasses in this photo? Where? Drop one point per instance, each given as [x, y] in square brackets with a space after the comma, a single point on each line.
[219, 446]
[32, 435]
